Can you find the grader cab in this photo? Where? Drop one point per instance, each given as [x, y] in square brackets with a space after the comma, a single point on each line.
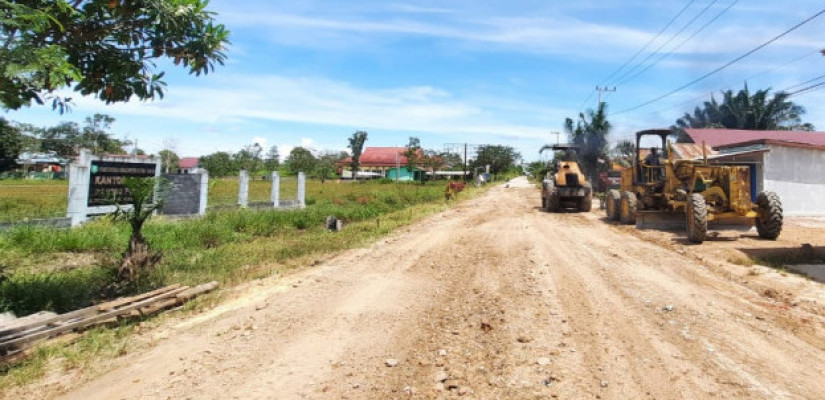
[659, 188]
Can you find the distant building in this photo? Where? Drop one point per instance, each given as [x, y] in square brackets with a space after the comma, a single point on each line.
[381, 162]
[46, 165]
[188, 165]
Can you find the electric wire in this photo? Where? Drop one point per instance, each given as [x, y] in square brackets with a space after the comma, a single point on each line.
[626, 63]
[682, 43]
[756, 75]
[726, 65]
[622, 78]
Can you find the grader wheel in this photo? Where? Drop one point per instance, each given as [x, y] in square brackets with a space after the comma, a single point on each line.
[627, 208]
[612, 204]
[696, 213]
[769, 220]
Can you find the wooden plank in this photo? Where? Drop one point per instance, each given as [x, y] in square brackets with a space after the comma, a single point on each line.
[20, 343]
[5, 334]
[119, 302]
[18, 323]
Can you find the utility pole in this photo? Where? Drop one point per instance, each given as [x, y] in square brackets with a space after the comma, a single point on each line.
[601, 90]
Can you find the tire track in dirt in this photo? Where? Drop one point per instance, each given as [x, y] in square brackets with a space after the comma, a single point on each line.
[491, 299]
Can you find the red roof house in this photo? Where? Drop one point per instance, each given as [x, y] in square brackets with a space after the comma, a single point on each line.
[727, 137]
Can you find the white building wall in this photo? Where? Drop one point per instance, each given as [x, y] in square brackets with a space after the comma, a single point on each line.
[797, 175]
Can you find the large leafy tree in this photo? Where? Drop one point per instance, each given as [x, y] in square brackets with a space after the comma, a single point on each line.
[356, 146]
[169, 160]
[745, 110]
[67, 138]
[218, 164]
[326, 166]
[590, 133]
[249, 158]
[301, 160]
[499, 158]
[105, 48]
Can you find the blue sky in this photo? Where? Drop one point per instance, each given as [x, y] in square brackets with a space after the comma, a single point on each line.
[485, 72]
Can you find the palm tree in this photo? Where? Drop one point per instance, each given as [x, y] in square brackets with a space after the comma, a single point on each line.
[590, 134]
[743, 110]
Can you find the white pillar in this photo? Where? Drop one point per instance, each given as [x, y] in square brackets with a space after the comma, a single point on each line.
[302, 183]
[275, 195]
[243, 189]
[79, 175]
[204, 192]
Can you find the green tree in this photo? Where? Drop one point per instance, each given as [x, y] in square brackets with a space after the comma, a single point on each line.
[96, 136]
[105, 48]
[218, 164]
[301, 160]
[326, 166]
[590, 134]
[249, 158]
[499, 158]
[413, 154]
[356, 146]
[744, 110]
[271, 159]
[169, 160]
[11, 145]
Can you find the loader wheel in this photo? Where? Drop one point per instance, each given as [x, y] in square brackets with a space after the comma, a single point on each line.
[586, 203]
[627, 208]
[553, 201]
[696, 212]
[543, 203]
[611, 200]
[769, 220]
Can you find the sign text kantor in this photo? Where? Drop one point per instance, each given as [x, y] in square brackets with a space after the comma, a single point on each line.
[107, 177]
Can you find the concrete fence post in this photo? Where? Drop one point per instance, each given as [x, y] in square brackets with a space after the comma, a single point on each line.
[243, 189]
[79, 175]
[275, 195]
[302, 190]
[204, 193]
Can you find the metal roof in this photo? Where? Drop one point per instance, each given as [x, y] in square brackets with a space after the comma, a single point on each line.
[731, 137]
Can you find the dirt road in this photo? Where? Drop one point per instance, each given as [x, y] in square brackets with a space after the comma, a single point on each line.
[496, 299]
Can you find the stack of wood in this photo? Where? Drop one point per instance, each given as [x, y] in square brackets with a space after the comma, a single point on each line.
[18, 334]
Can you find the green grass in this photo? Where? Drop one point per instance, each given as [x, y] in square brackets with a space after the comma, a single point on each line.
[22, 199]
[62, 270]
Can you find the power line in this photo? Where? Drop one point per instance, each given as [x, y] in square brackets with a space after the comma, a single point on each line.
[629, 60]
[803, 83]
[807, 89]
[728, 64]
[623, 80]
[672, 20]
[682, 43]
[758, 74]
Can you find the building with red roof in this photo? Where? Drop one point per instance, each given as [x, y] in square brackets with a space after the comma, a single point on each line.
[381, 162]
[790, 163]
[188, 165]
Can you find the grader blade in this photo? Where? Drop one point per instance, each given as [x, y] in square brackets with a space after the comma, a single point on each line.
[660, 220]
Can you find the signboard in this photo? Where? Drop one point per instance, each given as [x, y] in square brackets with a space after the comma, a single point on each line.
[106, 182]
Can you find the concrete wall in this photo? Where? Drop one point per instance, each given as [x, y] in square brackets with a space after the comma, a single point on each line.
[798, 176]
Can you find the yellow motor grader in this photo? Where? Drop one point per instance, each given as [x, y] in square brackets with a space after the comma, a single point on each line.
[567, 187]
[660, 189]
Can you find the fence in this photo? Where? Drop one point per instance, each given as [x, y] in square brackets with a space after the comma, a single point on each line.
[48, 202]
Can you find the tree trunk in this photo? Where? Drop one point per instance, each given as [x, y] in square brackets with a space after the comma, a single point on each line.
[137, 259]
